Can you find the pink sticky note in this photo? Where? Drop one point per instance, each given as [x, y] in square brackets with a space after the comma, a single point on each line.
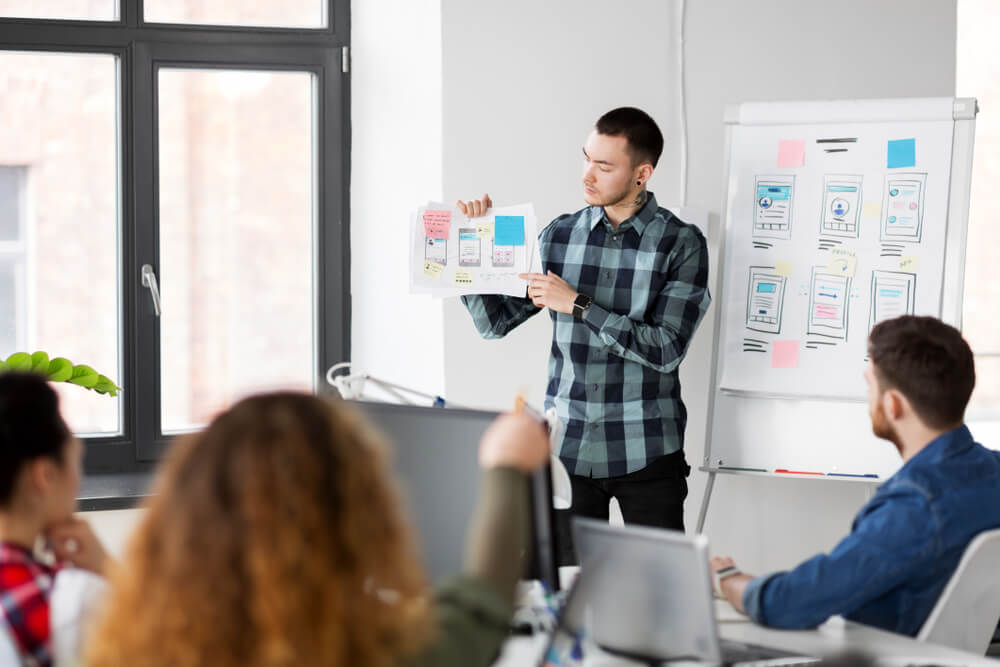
[437, 224]
[791, 153]
[785, 354]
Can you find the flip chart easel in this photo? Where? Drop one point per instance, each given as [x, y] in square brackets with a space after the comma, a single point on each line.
[838, 215]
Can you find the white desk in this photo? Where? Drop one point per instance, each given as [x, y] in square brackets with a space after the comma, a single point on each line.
[831, 639]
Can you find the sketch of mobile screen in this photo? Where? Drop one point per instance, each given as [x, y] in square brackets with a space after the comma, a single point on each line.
[773, 207]
[469, 247]
[841, 205]
[503, 255]
[902, 207]
[436, 250]
[765, 300]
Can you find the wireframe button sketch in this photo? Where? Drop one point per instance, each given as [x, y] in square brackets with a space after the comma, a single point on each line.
[773, 207]
[765, 299]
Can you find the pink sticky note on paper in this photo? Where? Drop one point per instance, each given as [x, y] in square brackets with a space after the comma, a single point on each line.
[785, 354]
[437, 224]
[791, 153]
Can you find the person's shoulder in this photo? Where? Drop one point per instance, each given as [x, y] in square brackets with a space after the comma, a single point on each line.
[673, 223]
[564, 223]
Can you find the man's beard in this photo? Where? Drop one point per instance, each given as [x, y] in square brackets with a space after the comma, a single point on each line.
[614, 199]
[883, 429]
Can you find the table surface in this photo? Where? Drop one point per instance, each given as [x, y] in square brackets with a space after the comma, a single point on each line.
[831, 639]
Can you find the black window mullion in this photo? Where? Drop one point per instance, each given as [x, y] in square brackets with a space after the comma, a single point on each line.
[333, 241]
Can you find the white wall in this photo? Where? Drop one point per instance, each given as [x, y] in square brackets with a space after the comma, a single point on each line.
[524, 82]
[522, 85]
[395, 166]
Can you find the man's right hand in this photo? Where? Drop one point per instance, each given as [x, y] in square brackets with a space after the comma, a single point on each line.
[476, 207]
[514, 441]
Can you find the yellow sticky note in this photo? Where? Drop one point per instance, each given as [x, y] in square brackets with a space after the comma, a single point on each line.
[908, 263]
[843, 262]
[872, 209]
[484, 230]
[433, 269]
[783, 269]
[463, 277]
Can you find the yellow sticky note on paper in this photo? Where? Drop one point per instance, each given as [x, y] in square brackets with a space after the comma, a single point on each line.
[463, 277]
[484, 230]
[433, 269]
[908, 263]
[784, 269]
[871, 209]
[842, 262]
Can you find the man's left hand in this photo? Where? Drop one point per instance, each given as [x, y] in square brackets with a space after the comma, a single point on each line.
[547, 290]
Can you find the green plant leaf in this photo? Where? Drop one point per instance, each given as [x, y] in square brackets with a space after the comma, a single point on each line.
[19, 361]
[84, 375]
[60, 369]
[40, 362]
[106, 386]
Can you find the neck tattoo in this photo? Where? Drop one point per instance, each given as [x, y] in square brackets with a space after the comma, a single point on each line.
[640, 198]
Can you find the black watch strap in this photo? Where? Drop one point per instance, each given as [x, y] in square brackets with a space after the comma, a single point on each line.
[580, 305]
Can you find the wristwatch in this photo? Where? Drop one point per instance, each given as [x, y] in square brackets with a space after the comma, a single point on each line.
[725, 573]
[580, 305]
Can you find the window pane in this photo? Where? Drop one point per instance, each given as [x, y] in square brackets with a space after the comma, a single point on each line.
[236, 238]
[60, 122]
[10, 203]
[87, 10]
[263, 13]
[978, 62]
[9, 297]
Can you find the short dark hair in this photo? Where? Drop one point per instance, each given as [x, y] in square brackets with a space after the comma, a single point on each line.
[645, 141]
[929, 362]
[30, 427]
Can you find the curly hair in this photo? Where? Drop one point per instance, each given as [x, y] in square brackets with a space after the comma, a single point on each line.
[273, 538]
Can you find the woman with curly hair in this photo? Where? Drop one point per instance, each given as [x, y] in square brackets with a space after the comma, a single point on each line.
[275, 537]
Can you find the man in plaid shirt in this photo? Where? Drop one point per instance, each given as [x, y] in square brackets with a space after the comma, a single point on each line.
[626, 284]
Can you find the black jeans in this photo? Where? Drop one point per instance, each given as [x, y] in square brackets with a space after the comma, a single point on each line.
[653, 496]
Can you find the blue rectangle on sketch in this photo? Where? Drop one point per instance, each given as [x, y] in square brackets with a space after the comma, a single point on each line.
[902, 153]
[766, 287]
[509, 230]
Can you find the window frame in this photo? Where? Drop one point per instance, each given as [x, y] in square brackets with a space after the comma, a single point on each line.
[17, 252]
[142, 48]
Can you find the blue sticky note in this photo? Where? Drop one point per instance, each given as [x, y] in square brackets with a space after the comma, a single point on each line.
[902, 153]
[509, 230]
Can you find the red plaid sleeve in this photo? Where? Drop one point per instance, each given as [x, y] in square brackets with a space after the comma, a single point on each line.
[25, 585]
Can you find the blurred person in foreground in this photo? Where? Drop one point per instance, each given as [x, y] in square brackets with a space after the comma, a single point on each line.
[50, 562]
[276, 537]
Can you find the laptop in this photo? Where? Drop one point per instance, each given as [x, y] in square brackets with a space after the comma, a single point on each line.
[646, 594]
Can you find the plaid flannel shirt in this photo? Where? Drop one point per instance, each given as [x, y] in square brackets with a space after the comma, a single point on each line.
[613, 375]
[25, 586]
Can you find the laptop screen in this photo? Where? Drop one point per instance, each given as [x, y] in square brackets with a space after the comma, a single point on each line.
[436, 460]
[665, 577]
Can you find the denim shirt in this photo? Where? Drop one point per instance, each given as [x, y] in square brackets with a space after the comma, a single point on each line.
[903, 547]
